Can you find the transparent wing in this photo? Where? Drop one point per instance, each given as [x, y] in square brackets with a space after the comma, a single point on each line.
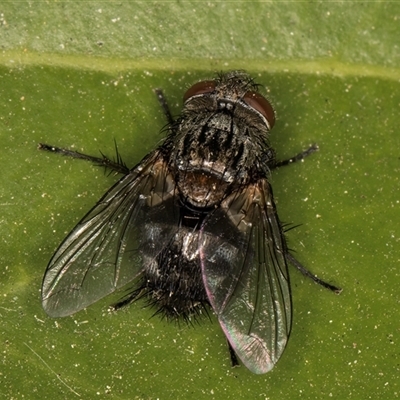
[106, 250]
[242, 253]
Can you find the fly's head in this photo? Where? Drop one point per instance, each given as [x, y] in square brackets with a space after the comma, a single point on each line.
[220, 140]
[235, 92]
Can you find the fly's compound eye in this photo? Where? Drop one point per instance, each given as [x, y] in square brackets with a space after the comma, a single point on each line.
[262, 105]
[198, 88]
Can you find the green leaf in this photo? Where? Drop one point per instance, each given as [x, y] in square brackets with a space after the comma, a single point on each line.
[81, 74]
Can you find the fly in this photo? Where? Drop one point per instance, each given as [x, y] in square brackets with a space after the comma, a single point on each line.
[192, 226]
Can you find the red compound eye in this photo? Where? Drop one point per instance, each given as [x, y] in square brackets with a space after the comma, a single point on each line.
[199, 88]
[262, 105]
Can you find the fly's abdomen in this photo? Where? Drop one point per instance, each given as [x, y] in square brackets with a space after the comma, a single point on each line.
[173, 280]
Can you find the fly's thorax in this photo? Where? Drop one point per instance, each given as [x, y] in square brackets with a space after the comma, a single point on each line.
[216, 149]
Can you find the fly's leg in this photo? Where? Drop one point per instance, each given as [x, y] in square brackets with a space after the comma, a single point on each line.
[234, 360]
[297, 157]
[289, 257]
[164, 105]
[117, 166]
[310, 275]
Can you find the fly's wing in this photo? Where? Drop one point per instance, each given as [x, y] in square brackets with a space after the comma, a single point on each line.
[245, 274]
[106, 249]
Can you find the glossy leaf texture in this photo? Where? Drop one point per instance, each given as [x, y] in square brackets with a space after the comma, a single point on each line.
[82, 74]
